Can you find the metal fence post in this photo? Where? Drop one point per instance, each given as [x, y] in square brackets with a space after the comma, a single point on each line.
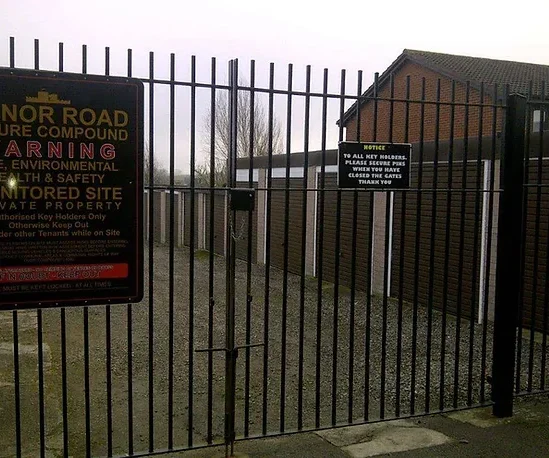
[231, 351]
[508, 281]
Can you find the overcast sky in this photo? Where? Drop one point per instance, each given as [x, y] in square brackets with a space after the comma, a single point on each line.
[353, 34]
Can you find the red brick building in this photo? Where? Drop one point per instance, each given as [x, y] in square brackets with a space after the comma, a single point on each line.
[432, 77]
[442, 254]
[451, 106]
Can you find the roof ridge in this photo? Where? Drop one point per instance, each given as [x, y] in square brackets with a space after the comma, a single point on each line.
[418, 52]
[519, 77]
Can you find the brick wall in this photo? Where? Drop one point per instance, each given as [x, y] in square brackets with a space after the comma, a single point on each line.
[416, 74]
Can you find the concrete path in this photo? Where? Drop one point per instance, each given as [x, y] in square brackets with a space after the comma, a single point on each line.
[28, 350]
[470, 433]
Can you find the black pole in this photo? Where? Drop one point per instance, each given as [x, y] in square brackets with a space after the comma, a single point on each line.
[508, 279]
[231, 351]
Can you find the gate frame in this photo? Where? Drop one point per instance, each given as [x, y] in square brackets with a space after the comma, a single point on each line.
[509, 255]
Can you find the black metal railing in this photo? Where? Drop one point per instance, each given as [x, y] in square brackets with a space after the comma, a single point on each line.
[530, 370]
[387, 310]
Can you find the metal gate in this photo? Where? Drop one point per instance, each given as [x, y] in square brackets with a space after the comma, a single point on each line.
[532, 319]
[276, 302]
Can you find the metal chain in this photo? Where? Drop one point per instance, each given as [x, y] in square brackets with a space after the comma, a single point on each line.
[238, 235]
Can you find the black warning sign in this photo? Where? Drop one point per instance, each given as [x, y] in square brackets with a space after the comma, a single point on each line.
[374, 165]
[71, 168]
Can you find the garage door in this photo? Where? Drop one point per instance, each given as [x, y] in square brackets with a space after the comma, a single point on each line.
[187, 216]
[535, 252]
[218, 222]
[460, 287]
[328, 221]
[295, 226]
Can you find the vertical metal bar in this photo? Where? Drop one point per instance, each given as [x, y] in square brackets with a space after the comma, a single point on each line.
[16, 381]
[108, 361]
[367, 336]
[539, 178]
[461, 245]
[84, 59]
[107, 61]
[64, 390]
[41, 401]
[335, 326]
[36, 54]
[401, 262]
[12, 52]
[386, 262]
[518, 374]
[64, 393]
[546, 285]
[508, 277]
[417, 252]
[432, 255]
[211, 290]
[39, 326]
[352, 310]
[446, 268]
[476, 246]
[109, 379]
[87, 381]
[320, 247]
[229, 394]
[171, 307]
[130, 378]
[151, 309]
[545, 321]
[130, 337]
[303, 246]
[491, 192]
[108, 338]
[60, 57]
[376, 102]
[191, 254]
[268, 251]
[86, 327]
[231, 353]
[284, 323]
[249, 256]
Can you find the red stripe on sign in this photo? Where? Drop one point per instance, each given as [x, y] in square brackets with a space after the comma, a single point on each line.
[62, 273]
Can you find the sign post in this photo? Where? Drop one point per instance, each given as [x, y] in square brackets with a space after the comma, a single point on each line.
[374, 165]
[71, 189]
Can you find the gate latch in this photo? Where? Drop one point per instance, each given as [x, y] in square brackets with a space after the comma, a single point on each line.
[242, 199]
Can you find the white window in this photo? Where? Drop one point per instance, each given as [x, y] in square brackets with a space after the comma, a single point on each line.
[540, 120]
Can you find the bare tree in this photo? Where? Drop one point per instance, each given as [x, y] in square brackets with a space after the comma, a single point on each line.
[160, 173]
[245, 125]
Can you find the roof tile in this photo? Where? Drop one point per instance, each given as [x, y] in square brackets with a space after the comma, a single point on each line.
[476, 70]
[481, 70]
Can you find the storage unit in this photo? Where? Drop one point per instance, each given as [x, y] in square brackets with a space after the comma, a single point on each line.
[328, 221]
[464, 249]
[295, 224]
